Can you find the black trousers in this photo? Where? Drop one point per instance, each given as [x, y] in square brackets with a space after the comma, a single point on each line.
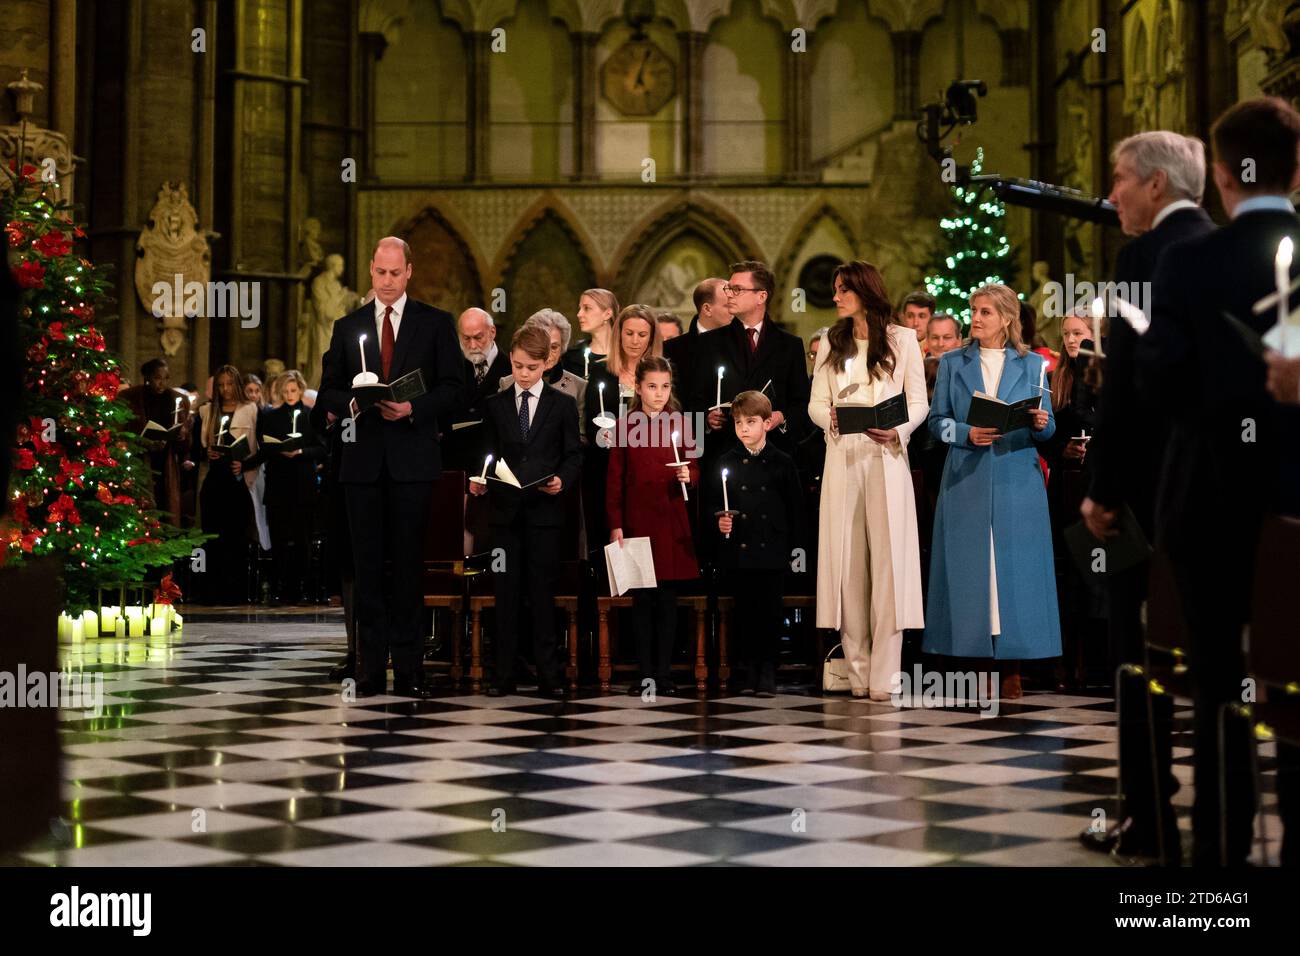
[654, 625]
[226, 507]
[289, 514]
[759, 610]
[531, 556]
[1145, 726]
[1214, 610]
[387, 519]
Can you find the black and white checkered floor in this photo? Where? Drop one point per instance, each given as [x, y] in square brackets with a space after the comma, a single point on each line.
[230, 746]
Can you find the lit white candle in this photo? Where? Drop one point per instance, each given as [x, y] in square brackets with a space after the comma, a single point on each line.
[1042, 375]
[90, 623]
[77, 633]
[135, 626]
[718, 402]
[225, 419]
[176, 418]
[1282, 271]
[586, 361]
[157, 626]
[601, 389]
[677, 460]
[486, 461]
[1098, 310]
[361, 344]
[294, 428]
[726, 505]
[119, 627]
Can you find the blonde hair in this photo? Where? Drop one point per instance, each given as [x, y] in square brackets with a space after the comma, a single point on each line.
[603, 298]
[277, 385]
[1007, 305]
[655, 348]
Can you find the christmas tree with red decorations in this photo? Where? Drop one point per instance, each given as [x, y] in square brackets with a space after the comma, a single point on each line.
[81, 487]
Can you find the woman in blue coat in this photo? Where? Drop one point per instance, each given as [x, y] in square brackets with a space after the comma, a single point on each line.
[992, 586]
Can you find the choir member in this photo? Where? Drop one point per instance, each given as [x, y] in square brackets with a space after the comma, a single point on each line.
[557, 327]
[156, 401]
[290, 485]
[484, 365]
[225, 492]
[868, 562]
[645, 498]
[992, 591]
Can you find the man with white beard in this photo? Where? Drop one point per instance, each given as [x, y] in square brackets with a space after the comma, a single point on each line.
[485, 366]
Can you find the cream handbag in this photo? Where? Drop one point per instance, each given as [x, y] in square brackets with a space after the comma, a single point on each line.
[835, 672]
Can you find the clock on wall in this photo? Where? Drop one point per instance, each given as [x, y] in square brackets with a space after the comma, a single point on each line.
[638, 78]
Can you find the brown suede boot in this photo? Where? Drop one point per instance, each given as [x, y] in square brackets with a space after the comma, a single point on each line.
[1011, 689]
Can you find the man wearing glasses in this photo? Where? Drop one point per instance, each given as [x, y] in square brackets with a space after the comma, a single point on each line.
[753, 353]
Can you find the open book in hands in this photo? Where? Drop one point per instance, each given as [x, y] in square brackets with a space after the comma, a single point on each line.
[986, 411]
[503, 474]
[882, 416]
[406, 388]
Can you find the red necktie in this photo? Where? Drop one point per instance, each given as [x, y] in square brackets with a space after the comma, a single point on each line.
[387, 342]
[753, 341]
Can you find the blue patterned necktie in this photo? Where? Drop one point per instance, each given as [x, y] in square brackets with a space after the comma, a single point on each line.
[523, 413]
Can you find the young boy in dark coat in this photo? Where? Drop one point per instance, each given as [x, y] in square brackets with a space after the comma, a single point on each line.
[756, 546]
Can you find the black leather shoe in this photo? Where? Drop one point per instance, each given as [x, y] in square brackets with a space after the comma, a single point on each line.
[666, 688]
[1103, 841]
[371, 688]
[553, 691]
[343, 671]
[416, 688]
[500, 690]
[766, 680]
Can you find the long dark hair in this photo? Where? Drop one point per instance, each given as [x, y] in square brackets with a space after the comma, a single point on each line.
[238, 379]
[863, 280]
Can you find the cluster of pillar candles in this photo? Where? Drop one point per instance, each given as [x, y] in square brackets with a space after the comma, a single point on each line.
[154, 620]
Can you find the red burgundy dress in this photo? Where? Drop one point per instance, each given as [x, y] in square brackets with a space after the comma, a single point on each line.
[644, 498]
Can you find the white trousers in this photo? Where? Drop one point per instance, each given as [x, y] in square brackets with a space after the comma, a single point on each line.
[873, 646]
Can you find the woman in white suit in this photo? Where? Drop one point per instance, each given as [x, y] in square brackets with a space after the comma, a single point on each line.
[868, 555]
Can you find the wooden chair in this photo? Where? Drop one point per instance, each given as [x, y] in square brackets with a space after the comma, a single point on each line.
[726, 611]
[698, 604]
[444, 561]
[1273, 654]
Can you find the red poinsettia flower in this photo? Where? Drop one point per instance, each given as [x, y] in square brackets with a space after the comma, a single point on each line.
[24, 460]
[28, 168]
[15, 234]
[72, 471]
[19, 509]
[100, 457]
[84, 312]
[167, 590]
[55, 330]
[105, 384]
[29, 541]
[30, 274]
[65, 510]
[54, 243]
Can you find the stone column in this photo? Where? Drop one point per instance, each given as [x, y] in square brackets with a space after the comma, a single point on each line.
[478, 88]
[585, 81]
[798, 111]
[689, 69]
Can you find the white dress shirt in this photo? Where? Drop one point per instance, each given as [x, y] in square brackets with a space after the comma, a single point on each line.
[396, 318]
[536, 392]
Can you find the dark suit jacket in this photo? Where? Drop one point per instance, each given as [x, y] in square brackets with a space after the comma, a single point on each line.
[680, 351]
[1125, 453]
[463, 449]
[408, 448]
[551, 448]
[780, 357]
[1215, 483]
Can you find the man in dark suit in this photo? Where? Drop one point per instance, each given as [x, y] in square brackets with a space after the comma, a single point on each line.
[710, 313]
[485, 366]
[754, 354]
[533, 427]
[1230, 446]
[1158, 182]
[390, 460]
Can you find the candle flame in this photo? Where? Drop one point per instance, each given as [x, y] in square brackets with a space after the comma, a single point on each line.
[724, 473]
[1284, 251]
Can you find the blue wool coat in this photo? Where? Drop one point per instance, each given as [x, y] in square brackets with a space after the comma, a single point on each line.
[998, 486]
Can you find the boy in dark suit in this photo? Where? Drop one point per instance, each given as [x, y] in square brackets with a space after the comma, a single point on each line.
[533, 427]
[755, 547]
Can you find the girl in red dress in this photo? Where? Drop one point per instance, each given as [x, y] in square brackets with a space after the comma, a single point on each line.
[646, 498]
